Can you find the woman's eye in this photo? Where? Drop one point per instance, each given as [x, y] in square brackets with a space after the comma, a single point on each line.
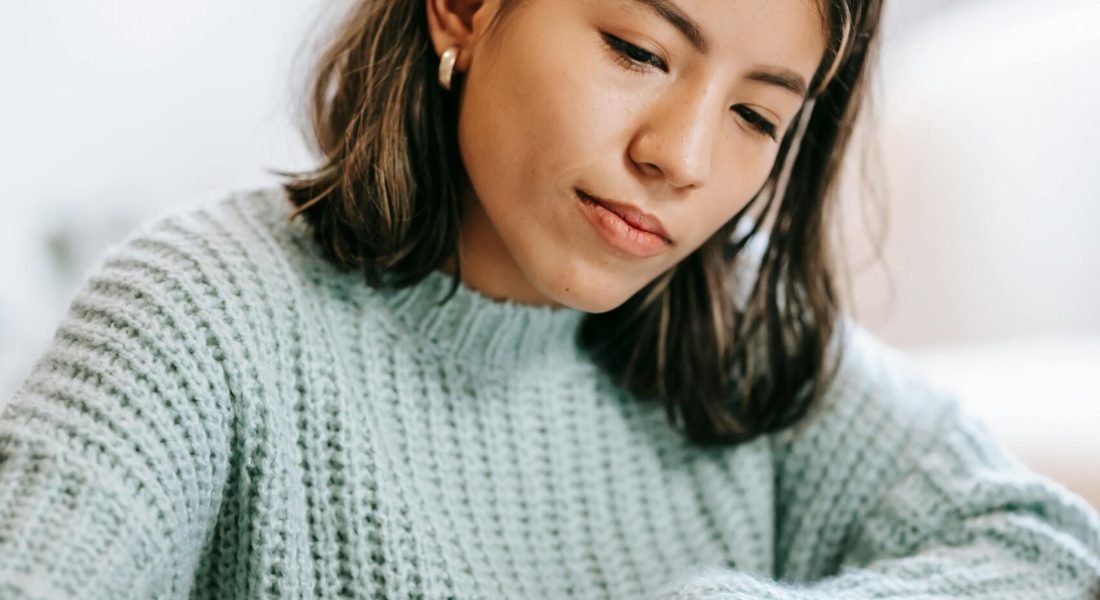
[636, 59]
[756, 121]
[633, 57]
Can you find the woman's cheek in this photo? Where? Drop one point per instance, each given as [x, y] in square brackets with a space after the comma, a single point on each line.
[577, 103]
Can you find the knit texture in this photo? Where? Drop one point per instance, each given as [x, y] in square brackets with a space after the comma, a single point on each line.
[223, 414]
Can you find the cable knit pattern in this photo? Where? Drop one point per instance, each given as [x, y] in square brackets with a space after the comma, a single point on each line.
[223, 414]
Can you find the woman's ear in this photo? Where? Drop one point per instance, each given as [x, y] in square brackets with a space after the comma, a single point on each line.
[452, 23]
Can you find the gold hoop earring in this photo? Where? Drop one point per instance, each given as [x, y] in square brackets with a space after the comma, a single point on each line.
[447, 67]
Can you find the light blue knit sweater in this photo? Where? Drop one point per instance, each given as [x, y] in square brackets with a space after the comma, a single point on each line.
[223, 414]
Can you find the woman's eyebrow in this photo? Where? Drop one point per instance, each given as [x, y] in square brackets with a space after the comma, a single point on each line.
[779, 77]
[668, 10]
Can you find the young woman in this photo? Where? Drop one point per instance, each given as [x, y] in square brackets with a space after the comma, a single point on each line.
[553, 318]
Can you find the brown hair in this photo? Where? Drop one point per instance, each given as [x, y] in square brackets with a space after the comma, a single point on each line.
[385, 202]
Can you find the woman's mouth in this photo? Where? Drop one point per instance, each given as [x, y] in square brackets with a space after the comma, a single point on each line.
[624, 227]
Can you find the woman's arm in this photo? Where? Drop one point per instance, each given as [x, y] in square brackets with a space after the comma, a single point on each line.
[114, 451]
[890, 491]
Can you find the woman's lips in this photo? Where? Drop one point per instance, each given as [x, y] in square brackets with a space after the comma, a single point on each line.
[619, 233]
[631, 214]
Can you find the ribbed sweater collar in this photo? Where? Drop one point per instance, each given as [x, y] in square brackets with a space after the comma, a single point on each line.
[474, 327]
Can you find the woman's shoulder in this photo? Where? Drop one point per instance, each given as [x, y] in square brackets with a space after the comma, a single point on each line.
[872, 388]
[220, 250]
[222, 270]
[238, 228]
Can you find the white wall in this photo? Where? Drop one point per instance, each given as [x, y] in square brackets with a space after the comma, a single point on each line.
[989, 125]
[114, 110]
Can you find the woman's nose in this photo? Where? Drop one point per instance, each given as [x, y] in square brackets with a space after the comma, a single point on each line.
[676, 141]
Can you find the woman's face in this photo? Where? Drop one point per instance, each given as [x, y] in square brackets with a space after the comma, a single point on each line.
[668, 108]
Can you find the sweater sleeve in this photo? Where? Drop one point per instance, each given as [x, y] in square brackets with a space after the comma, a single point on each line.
[113, 450]
[890, 490]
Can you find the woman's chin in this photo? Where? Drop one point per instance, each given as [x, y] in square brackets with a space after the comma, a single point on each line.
[582, 284]
[590, 296]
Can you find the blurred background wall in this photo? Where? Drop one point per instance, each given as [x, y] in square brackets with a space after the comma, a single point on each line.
[987, 188]
[988, 171]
